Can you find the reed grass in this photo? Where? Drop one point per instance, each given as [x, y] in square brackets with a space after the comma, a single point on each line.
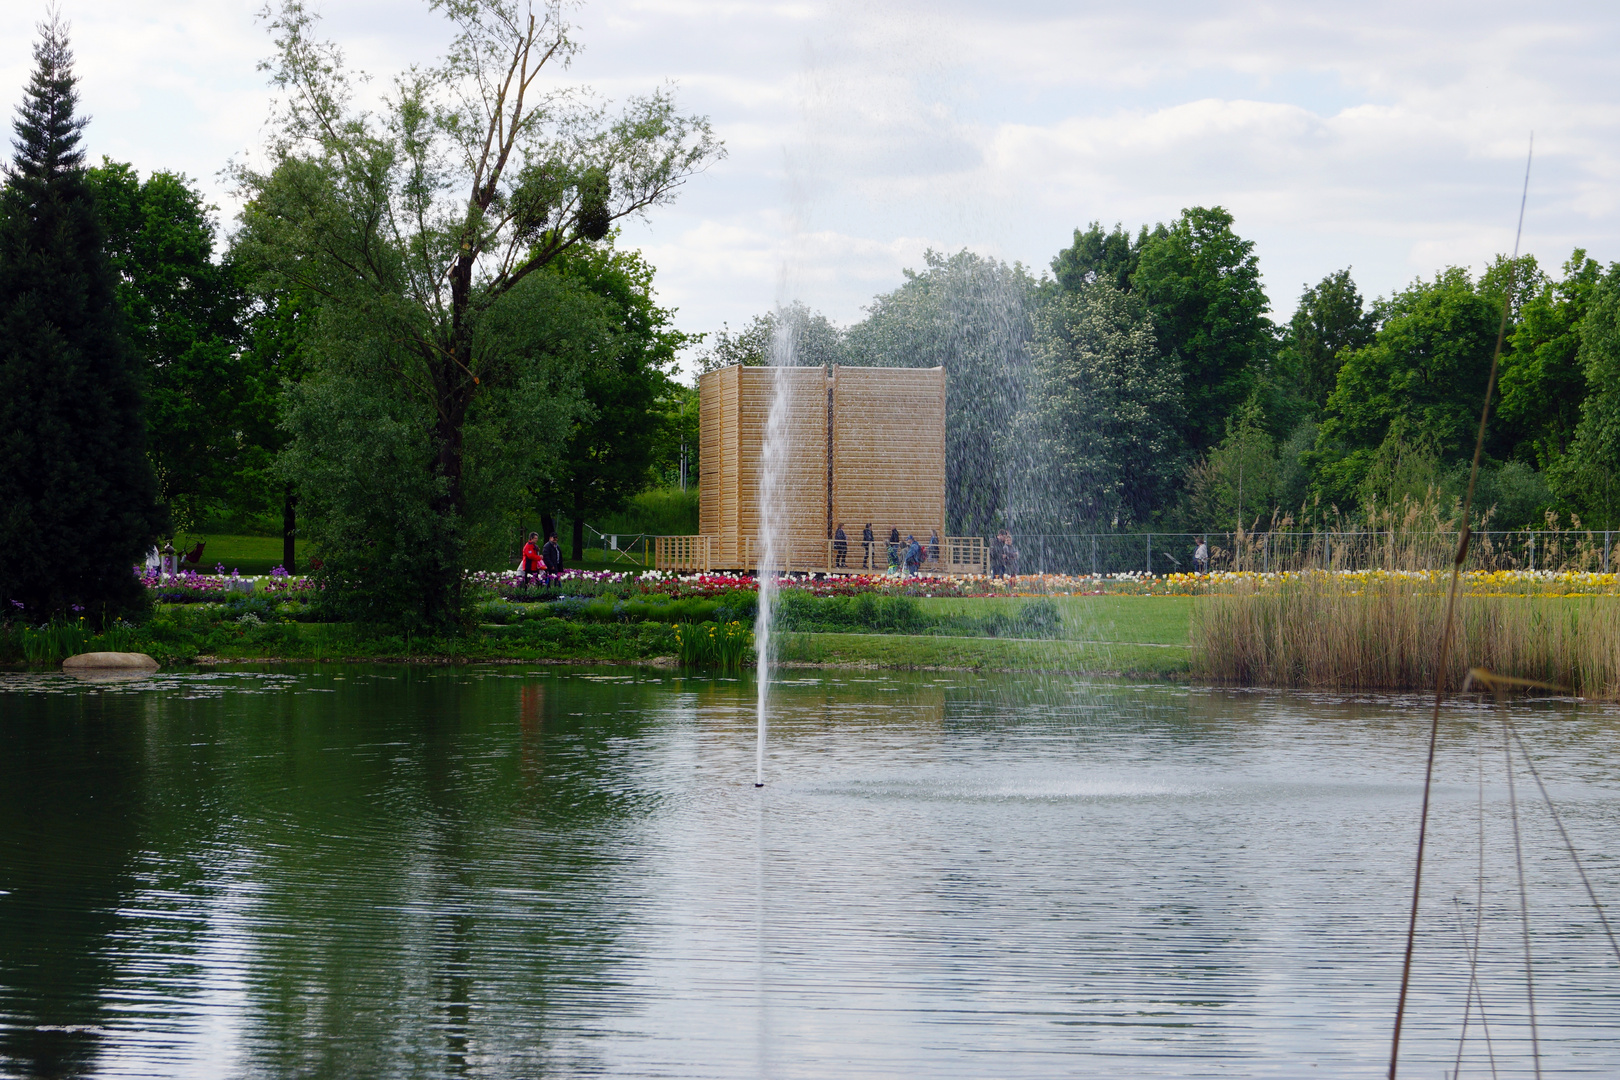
[1381, 632]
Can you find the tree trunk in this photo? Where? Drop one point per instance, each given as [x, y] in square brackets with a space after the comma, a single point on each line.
[289, 530]
[548, 525]
[579, 526]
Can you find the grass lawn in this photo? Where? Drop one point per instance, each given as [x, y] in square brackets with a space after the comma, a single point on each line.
[1143, 620]
[903, 651]
[1137, 635]
[248, 554]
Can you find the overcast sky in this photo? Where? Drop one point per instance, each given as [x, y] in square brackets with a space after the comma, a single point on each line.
[1385, 136]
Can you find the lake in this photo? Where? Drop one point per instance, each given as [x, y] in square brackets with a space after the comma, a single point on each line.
[516, 870]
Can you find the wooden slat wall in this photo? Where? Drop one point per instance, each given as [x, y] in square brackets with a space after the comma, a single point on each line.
[888, 456]
[889, 450]
[715, 462]
[803, 486]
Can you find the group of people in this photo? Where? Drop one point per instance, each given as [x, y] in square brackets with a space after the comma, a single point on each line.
[906, 556]
[541, 563]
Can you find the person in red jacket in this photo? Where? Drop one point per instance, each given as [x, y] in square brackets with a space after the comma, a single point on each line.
[531, 559]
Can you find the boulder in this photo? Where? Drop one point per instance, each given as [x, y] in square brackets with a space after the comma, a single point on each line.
[110, 661]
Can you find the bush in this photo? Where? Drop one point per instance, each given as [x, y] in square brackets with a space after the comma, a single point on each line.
[797, 610]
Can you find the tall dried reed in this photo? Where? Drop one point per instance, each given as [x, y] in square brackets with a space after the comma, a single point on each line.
[1327, 631]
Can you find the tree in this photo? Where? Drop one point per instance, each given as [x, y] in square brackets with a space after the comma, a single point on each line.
[1415, 388]
[182, 312]
[1238, 480]
[1098, 256]
[1201, 283]
[792, 335]
[609, 454]
[275, 359]
[1102, 416]
[78, 505]
[1542, 381]
[1329, 321]
[412, 229]
[1588, 476]
[971, 316]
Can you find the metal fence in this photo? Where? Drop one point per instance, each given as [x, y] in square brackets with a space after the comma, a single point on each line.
[1164, 553]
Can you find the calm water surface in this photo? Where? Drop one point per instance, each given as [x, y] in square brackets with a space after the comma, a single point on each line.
[506, 871]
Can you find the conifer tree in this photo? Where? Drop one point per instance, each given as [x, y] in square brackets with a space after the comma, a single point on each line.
[77, 496]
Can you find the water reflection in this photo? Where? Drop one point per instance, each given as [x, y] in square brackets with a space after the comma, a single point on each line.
[504, 871]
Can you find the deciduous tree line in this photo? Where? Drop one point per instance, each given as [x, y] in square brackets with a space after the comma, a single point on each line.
[1142, 385]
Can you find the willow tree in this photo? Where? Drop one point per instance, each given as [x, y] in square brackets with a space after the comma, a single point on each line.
[417, 228]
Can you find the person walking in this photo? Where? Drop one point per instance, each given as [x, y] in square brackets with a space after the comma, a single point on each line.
[998, 555]
[894, 547]
[933, 545]
[551, 555]
[866, 543]
[840, 547]
[1201, 556]
[914, 555]
[531, 559]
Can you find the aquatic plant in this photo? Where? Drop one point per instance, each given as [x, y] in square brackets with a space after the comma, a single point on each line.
[1378, 631]
[713, 645]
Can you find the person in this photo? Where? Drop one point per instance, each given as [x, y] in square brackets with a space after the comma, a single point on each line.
[1003, 555]
[933, 545]
[866, 542]
[551, 555]
[914, 555]
[894, 547]
[840, 546]
[531, 559]
[1201, 556]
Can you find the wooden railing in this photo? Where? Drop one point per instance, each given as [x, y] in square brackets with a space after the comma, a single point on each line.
[692, 553]
[957, 555]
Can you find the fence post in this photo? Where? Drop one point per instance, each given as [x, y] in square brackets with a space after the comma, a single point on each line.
[1150, 554]
[1605, 551]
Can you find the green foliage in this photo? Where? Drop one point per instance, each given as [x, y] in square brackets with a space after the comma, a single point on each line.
[1542, 382]
[721, 646]
[676, 434]
[971, 316]
[609, 453]
[1588, 476]
[182, 314]
[1329, 322]
[798, 610]
[1111, 257]
[1239, 480]
[1411, 393]
[808, 337]
[78, 501]
[1101, 427]
[1201, 283]
[416, 233]
[661, 511]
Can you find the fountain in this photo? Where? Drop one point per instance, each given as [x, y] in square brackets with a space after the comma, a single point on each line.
[773, 460]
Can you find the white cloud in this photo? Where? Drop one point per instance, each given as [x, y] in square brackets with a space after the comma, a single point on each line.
[1387, 136]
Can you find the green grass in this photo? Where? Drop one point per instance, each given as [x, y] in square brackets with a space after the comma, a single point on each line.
[914, 651]
[1145, 620]
[248, 554]
[1136, 635]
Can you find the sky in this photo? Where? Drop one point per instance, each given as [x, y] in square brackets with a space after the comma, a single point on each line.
[1387, 137]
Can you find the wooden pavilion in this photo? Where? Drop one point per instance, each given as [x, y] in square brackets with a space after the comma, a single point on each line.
[864, 445]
